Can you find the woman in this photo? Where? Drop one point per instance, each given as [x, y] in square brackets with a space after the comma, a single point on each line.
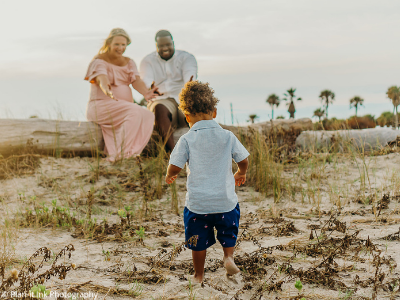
[126, 126]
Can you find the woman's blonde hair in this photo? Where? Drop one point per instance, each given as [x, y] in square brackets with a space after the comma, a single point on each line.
[114, 32]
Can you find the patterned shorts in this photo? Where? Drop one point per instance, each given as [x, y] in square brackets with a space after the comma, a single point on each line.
[226, 224]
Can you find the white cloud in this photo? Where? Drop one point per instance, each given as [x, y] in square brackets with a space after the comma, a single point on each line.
[246, 49]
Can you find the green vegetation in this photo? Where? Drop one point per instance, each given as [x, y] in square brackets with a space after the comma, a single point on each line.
[274, 101]
[319, 113]
[298, 285]
[327, 97]
[355, 102]
[291, 97]
[252, 118]
[39, 291]
[140, 233]
[367, 121]
[129, 204]
[386, 119]
[393, 94]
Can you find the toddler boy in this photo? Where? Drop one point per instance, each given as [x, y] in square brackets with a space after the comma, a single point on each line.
[211, 200]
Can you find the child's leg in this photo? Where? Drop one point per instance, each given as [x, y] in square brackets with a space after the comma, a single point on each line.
[229, 263]
[227, 226]
[201, 226]
[199, 258]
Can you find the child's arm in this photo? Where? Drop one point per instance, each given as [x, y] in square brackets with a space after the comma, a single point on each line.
[172, 173]
[240, 175]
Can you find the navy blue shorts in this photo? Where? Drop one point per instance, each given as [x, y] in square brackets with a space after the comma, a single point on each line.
[227, 225]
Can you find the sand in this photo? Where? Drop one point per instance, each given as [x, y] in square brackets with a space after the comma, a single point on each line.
[114, 267]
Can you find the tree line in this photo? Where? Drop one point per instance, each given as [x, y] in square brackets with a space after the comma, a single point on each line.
[327, 97]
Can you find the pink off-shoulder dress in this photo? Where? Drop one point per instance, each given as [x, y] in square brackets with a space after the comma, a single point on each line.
[126, 126]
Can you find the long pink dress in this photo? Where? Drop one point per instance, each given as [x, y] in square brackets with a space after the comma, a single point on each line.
[126, 126]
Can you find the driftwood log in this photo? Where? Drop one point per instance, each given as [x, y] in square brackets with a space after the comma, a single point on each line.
[368, 139]
[48, 136]
[83, 138]
[278, 126]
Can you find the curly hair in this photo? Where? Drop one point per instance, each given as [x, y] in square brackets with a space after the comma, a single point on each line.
[197, 97]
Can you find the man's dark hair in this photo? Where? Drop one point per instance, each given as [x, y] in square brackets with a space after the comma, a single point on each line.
[163, 33]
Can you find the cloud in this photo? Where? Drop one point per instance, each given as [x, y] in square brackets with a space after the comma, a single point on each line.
[246, 50]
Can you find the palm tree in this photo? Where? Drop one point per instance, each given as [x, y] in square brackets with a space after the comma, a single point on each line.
[327, 98]
[385, 119]
[273, 100]
[319, 113]
[393, 93]
[355, 102]
[289, 95]
[252, 117]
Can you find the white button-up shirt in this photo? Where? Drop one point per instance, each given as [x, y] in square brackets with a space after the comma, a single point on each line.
[169, 75]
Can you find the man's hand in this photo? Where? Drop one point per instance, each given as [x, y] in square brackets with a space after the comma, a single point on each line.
[149, 96]
[170, 179]
[152, 93]
[156, 91]
[239, 178]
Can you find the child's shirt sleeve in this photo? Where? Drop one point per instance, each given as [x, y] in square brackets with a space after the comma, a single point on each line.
[239, 152]
[180, 154]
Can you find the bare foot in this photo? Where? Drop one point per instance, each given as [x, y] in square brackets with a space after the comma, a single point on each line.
[195, 279]
[231, 268]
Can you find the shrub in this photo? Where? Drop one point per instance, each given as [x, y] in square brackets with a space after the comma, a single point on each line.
[386, 119]
[367, 121]
[360, 122]
[333, 124]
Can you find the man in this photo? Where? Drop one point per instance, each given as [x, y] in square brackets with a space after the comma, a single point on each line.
[169, 70]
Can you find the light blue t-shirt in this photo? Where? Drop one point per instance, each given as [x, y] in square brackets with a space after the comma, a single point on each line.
[208, 149]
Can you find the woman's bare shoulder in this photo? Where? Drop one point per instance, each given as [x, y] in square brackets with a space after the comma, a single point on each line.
[105, 57]
[101, 56]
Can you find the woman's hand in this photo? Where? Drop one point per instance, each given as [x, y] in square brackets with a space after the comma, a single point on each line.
[105, 86]
[148, 95]
[107, 90]
[152, 93]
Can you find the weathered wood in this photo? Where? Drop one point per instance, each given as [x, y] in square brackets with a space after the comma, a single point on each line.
[361, 139]
[49, 136]
[53, 136]
[279, 125]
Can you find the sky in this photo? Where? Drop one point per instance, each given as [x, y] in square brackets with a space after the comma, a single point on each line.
[246, 50]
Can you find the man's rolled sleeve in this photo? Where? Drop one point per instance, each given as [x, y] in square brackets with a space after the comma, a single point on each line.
[239, 152]
[180, 154]
[189, 68]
